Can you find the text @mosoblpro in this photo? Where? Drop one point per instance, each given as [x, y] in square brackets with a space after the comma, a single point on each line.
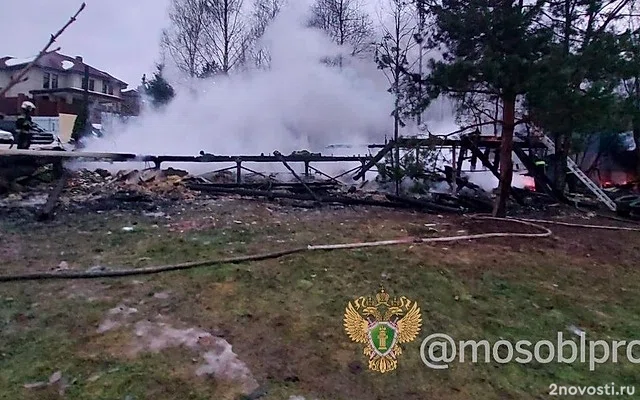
[438, 350]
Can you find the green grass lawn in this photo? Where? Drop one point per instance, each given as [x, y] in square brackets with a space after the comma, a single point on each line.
[284, 317]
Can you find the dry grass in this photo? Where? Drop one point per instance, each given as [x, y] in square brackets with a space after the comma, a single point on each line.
[284, 316]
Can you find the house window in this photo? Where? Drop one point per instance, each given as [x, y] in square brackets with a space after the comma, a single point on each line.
[45, 80]
[54, 81]
[92, 84]
[107, 88]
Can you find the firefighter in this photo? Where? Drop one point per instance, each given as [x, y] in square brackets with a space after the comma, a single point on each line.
[24, 125]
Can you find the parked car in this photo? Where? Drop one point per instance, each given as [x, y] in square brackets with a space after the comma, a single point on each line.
[6, 137]
[40, 139]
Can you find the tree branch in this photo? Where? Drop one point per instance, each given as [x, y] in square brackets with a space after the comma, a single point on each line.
[19, 77]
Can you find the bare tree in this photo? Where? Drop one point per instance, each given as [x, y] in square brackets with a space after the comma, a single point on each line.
[392, 56]
[226, 34]
[345, 22]
[20, 77]
[185, 38]
[264, 11]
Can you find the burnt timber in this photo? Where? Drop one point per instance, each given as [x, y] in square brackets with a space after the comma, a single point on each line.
[480, 147]
[483, 142]
[52, 155]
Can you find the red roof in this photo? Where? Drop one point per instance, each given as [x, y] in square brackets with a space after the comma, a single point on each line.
[54, 61]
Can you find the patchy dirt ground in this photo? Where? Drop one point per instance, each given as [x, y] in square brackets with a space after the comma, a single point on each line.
[273, 329]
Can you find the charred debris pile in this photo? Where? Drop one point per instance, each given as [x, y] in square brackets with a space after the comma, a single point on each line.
[42, 185]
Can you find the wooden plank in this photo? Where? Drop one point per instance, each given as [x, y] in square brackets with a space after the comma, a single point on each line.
[168, 158]
[47, 211]
[373, 161]
[284, 162]
[63, 154]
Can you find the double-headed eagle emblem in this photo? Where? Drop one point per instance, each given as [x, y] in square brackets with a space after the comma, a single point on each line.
[382, 323]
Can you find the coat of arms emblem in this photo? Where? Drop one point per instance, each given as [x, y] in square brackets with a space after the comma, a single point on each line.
[382, 323]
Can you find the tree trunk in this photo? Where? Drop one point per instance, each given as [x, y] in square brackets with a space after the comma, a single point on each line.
[563, 141]
[396, 85]
[636, 122]
[636, 139]
[506, 163]
[396, 158]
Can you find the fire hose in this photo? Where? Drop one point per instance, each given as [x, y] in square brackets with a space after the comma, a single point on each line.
[544, 232]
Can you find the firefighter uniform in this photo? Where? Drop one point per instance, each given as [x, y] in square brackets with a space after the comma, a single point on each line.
[24, 125]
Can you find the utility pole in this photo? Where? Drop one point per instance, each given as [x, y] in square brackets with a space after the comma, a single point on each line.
[80, 125]
[85, 94]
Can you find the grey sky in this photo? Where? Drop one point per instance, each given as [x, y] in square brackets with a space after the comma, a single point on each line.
[120, 37]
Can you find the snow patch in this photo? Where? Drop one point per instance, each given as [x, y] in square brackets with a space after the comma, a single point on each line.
[219, 359]
[66, 64]
[117, 317]
[224, 364]
[18, 61]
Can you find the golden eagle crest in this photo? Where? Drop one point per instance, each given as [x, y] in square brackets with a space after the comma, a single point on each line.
[381, 323]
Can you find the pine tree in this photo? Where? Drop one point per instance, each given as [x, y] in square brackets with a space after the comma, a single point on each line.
[160, 91]
[630, 77]
[80, 125]
[576, 95]
[493, 50]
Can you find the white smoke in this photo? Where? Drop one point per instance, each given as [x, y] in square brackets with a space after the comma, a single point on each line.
[300, 103]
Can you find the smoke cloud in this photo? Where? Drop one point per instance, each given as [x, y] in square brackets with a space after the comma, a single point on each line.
[299, 103]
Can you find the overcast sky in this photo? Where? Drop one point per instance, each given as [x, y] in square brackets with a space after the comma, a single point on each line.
[120, 37]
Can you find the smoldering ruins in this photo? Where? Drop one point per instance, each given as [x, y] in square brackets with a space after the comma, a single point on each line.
[207, 244]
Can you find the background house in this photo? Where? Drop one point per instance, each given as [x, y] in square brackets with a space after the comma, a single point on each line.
[56, 86]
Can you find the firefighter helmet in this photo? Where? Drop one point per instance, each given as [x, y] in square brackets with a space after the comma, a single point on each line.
[28, 106]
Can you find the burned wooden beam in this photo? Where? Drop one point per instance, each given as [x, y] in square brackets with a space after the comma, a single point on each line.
[47, 210]
[207, 158]
[530, 165]
[421, 206]
[410, 143]
[283, 185]
[373, 161]
[487, 163]
[429, 205]
[284, 162]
